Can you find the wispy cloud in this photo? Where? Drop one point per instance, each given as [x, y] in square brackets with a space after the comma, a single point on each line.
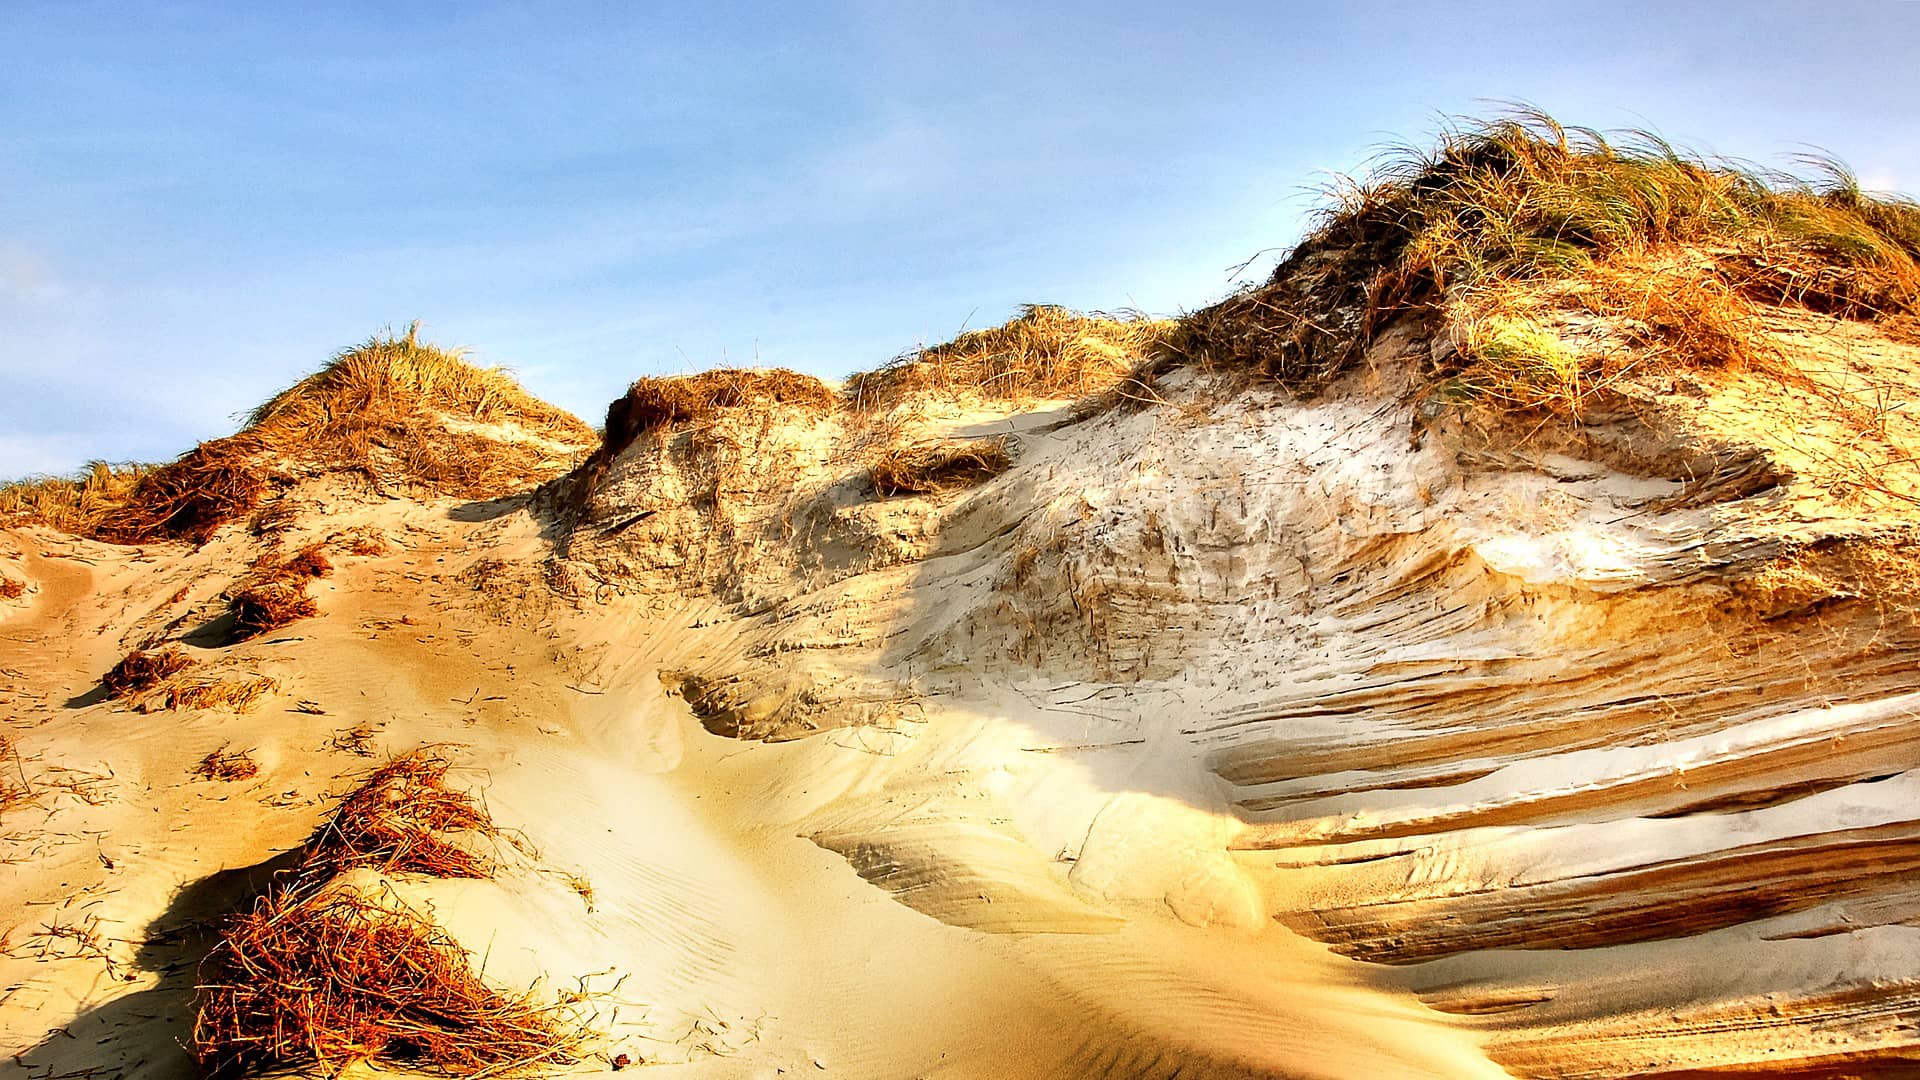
[26, 277]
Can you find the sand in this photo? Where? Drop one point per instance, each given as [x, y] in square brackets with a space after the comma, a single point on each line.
[1239, 737]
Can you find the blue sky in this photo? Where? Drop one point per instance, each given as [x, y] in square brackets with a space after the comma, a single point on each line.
[200, 202]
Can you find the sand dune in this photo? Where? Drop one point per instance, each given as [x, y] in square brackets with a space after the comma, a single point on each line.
[1213, 728]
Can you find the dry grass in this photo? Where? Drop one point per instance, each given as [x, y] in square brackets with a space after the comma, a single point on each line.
[356, 740]
[221, 765]
[331, 979]
[15, 789]
[395, 823]
[1522, 213]
[230, 695]
[79, 504]
[276, 593]
[393, 411]
[668, 401]
[139, 671]
[264, 608]
[1044, 352]
[362, 540]
[939, 467]
[322, 976]
[12, 588]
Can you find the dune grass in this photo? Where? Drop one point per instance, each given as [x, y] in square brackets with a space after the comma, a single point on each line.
[230, 695]
[275, 594]
[141, 670]
[79, 504]
[1046, 351]
[661, 401]
[393, 411]
[328, 975]
[330, 978]
[939, 467]
[1504, 221]
[398, 821]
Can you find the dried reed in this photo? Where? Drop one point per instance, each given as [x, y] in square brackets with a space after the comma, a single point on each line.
[140, 670]
[398, 821]
[331, 979]
[938, 468]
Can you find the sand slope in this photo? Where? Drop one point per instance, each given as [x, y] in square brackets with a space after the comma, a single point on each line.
[1235, 737]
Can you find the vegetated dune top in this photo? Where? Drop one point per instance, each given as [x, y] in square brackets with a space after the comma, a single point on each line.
[1485, 648]
[393, 413]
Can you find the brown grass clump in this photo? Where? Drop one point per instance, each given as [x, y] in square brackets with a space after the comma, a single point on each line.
[309, 562]
[332, 979]
[394, 823]
[940, 467]
[666, 401]
[277, 595]
[393, 411]
[232, 695]
[1522, 213]
[1044, 352]
[140, 670]
[267, 607]
[221, 765]
[79, 504]
[12, 588]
